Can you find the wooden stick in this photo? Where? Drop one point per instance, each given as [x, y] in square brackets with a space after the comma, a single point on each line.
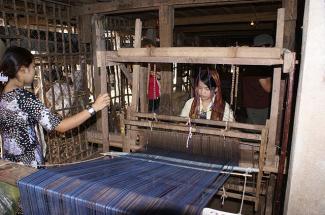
[200, 121]
[195, 129]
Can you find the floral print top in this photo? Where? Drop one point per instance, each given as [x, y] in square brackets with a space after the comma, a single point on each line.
[20, 111]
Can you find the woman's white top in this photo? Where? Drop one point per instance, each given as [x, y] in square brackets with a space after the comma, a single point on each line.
[228, 114]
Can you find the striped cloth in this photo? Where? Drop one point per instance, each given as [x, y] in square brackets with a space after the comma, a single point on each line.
[120, 185]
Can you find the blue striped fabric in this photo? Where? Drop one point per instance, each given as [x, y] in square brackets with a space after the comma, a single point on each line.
[120, 185]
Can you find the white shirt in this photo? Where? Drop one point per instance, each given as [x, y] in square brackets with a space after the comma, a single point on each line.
[228, 114]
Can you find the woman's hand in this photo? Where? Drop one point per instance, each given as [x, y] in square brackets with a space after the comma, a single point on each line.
[77, 119]
[101, 102]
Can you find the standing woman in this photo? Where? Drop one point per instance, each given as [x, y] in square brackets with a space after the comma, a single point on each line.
[208, 102]
[21, 110]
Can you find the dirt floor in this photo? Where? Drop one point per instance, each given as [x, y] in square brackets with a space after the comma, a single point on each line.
[232, 206]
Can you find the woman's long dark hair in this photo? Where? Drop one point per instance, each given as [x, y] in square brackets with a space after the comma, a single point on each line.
[212, 80]
[13, 59]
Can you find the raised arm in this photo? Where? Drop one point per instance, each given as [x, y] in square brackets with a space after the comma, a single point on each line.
[74, 121]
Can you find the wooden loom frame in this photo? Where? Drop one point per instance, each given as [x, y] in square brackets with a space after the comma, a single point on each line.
[211, 55]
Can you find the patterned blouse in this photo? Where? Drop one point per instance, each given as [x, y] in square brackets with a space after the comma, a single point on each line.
[20, 111]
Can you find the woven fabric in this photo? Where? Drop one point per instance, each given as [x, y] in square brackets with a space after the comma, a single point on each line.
[122, 185]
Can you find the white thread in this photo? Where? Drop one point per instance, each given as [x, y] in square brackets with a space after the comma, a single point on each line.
[150, 125]
[155, 117]
[244, 189]
[224, 195]
[189, 137]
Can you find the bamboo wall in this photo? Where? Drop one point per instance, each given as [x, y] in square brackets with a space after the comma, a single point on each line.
[63, 67]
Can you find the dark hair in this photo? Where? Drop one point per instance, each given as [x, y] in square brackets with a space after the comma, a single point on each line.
[13, 59]
[212, 80]
[205, 76]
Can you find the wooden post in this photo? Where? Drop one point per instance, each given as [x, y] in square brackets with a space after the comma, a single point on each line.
[100, 78]
[276, 85]
[289, 23]
[280, 28]
[143, 89]
[129, 139]
[261, 163]
[136, 68]
[104, 112]
[166, 25]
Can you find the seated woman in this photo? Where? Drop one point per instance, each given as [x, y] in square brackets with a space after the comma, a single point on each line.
[208, 103]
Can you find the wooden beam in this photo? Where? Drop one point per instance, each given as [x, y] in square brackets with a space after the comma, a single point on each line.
[126, 71]
[166, 26]
[146, 5]
[143, 89]
[290, 23]
[136, 68]
[94, 136]
[100, 78]
[214, 55]
[226, 18]
[280, 28]
[195, 129]
[178, 119]
[85, 25]
[104, 112]
[111, 56]
[275, 101]
[227, 52]
[98, 44]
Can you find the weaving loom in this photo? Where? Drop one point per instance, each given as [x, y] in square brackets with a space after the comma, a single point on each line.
[178, 165]
[236, 148]
[167, 178]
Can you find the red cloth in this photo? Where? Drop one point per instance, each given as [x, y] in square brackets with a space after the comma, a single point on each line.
[153, 88]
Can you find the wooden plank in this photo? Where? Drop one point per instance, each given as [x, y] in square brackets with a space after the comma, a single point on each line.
[195, 129]
[147, 5]
[143, 89]
[261, 163]
[238, 196]
[111, 56]
[127, 73]
[166, 26]
[270, 195]
[274, 115]
[276, 86]
[85, 25]
[290, 23]
[104, 112]
[200, 121]
[226, 52]
[136, 52]
[280, 28]
[136, 68]
[98, 45]
[94, 136]
[289, 62]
